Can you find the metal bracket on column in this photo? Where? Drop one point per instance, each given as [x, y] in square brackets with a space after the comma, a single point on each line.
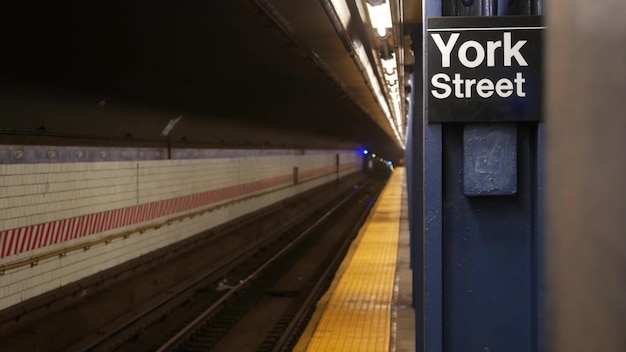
[490, 159]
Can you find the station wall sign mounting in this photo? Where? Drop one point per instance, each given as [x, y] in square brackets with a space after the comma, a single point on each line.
[485, 69]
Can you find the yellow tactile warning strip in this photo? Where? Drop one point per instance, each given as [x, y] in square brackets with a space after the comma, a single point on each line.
[357, 316]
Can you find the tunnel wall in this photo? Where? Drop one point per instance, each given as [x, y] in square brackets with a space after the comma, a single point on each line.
[57, 207]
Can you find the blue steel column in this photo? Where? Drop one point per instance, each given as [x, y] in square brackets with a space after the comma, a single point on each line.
[483, 256]
[410, 181]
[415, 149]
[541, 343]
[432, 209]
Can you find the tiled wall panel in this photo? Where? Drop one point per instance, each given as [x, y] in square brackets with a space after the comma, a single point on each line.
[47, 207]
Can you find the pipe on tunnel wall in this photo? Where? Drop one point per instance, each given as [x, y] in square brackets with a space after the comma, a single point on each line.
[586, 172]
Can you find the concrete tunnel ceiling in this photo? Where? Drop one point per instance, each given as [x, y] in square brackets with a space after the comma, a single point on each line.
[277, 65]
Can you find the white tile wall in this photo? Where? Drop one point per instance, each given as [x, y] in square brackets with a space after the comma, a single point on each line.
[31, 194]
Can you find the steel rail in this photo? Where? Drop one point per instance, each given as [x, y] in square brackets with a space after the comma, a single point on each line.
[182, 293]
[190, 328]
[315, 292]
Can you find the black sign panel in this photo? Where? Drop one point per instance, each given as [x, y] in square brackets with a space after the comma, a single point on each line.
[483, 69]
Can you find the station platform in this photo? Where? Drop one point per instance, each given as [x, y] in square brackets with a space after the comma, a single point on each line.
[368, 307]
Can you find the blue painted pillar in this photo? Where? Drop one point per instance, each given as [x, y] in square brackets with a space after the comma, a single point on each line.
[415, 148]
[482, 236]
[432, 137]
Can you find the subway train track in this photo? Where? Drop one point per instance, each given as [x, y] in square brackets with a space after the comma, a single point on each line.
[265, 301]
[243, 275]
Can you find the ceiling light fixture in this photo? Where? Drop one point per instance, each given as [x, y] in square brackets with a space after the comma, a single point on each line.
[390, 74]
[380, 16]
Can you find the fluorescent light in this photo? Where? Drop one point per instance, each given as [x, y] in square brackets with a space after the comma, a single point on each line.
[390, 75]
[380, 17]
[390, 64]
[377, 91]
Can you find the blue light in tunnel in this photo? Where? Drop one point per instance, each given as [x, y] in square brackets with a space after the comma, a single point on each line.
[365, 151]
[389, 162]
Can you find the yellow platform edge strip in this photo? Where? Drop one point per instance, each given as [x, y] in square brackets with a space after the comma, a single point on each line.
[356, 311]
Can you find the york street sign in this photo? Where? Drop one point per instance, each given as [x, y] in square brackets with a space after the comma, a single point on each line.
[483, 69]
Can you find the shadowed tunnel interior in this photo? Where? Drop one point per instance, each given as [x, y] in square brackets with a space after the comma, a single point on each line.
[121, 70]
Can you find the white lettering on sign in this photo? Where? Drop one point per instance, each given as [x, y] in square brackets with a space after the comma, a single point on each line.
[484, 68]
[480, 54]
[464, 88]
[445, 49]
[472, 54]
[508, 52]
